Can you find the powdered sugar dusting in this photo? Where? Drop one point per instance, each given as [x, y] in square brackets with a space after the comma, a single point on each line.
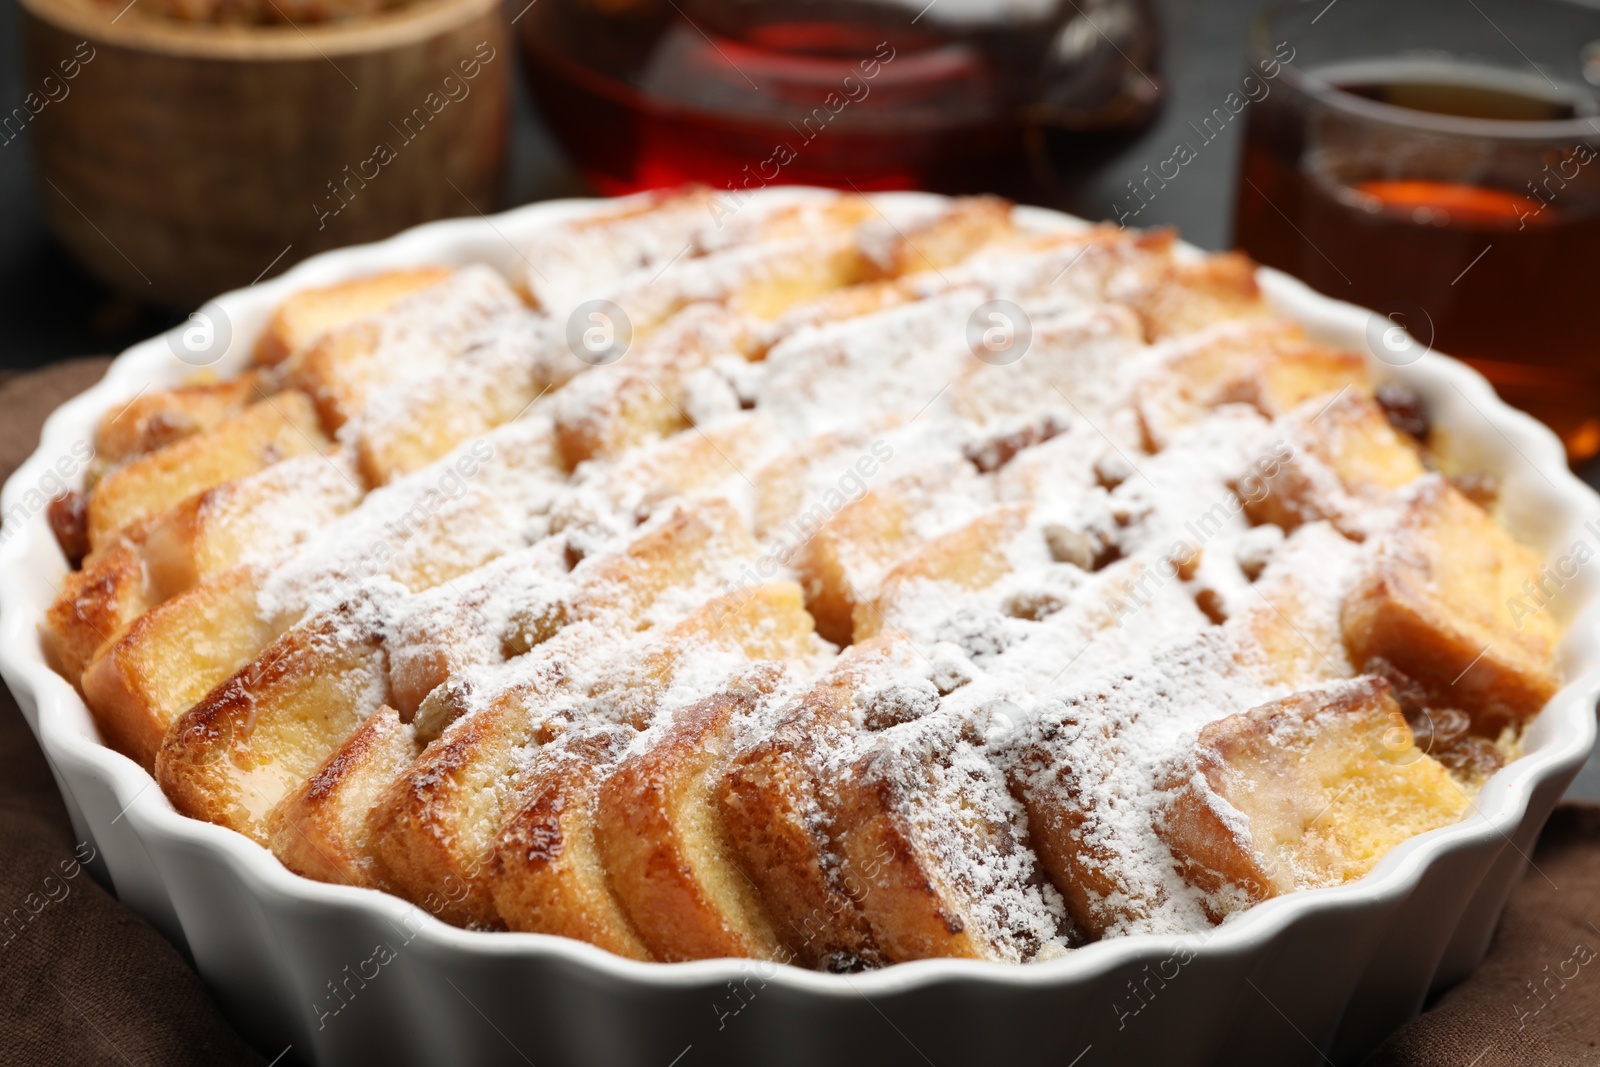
[1052, 556]
[1103, 743]
[959, 810]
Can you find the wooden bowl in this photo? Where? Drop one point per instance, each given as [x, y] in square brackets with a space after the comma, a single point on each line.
[177, 160]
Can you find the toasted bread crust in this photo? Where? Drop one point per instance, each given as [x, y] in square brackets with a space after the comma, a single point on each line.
[1081, 869]
[946, 238]
[548, 875]
[780, 809]
[913, 915]
[1350, 784]
[660, 835]
[271, 429]
[782, 819]
[1183, 296]
[642, 399]
[232, 757]
[435, 423]
[1340, 458]
[96, 605]
[1435, 601]
[969, 558]
[308, 314]
[255, 516]
[169, 658]
[1267, 364]
[319, 829]
[774, 810]
[154, 420]
[432, 830]
[875, 527]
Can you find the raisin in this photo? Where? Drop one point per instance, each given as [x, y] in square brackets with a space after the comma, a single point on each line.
[1436, 730]
[1410, 694]
[1472, 758]
[992, 453]
[1112, 469]
[1034, 605]
[572, 554]
[1405, 410]
[1256, 549]
[1067, 545]
[1087, 550]
[69, 521]
[1210, 602]
[1482, 489]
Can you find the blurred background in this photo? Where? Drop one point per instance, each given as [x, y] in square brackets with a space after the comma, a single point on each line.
[51, 308]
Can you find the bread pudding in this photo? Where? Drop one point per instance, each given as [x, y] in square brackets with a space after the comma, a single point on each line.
[824, 582]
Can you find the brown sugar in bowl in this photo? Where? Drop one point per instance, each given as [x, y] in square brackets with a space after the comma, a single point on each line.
[177, 159]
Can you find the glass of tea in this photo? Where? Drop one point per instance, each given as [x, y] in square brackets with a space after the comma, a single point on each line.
[944, 95]
[1439, 162]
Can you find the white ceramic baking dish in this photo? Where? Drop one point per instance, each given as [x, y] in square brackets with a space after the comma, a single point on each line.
[351, 976]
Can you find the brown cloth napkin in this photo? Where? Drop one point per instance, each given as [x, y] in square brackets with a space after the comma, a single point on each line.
[1536, 998]
[85, 981]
